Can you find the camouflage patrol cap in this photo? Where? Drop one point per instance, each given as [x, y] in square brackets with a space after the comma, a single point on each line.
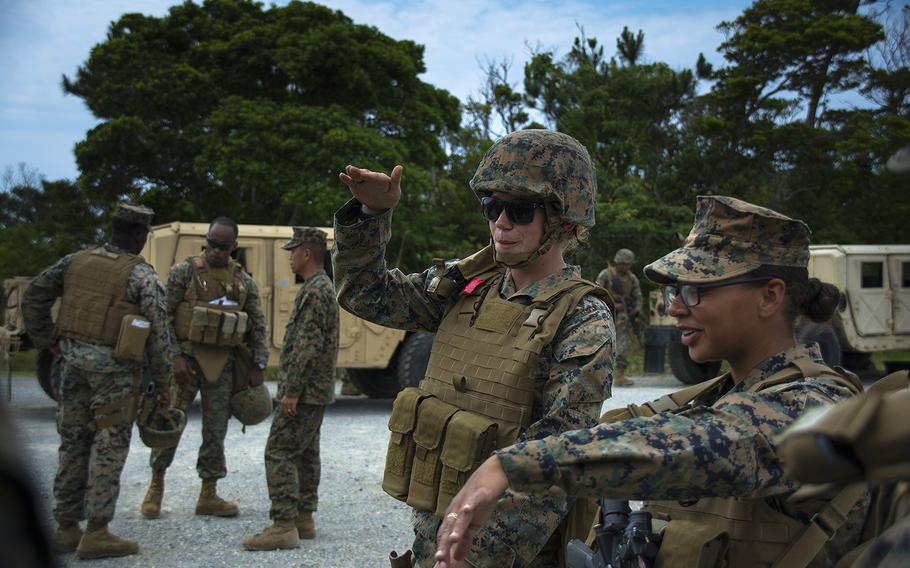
[731, 237]
[541, 164]
[303, 235]
[136, 214]
[624, 256]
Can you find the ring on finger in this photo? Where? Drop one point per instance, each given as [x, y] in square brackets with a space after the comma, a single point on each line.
[453, 515]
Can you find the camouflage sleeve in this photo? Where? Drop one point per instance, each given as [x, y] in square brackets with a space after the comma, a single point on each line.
[179, 277]
[601, 279]
[39, 298]
[725, 450]
[579, 374]
[637, 300]
[257, 340]
[145, 289]
[369, 290]
[314, 321]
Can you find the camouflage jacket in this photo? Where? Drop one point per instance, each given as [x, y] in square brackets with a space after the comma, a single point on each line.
[307, 367]
[181, 277]
[723, 450]
[625, 289]
[143, 288]
[570, 387]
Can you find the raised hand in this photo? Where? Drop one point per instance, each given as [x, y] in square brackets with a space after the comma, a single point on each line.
[376, 191]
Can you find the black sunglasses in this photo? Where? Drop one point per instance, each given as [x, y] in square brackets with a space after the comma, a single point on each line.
[219, 244]
[518, 211]
[690, 294]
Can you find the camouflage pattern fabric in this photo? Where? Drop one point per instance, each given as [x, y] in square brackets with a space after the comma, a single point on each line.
[722, 450]
[216, 412]
[307, 365]
[572, 379]
[731, 237]
[216, 397]
[891, 549]
[292, 464]
[544, 165]
[306, 372]
[626, 292]
[88, 475]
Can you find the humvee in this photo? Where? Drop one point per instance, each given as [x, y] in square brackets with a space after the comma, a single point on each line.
[379, 360]
[873, 314]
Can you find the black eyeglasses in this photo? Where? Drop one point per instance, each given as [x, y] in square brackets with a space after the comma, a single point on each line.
[518, 211]
[690, 294]
[220, 245]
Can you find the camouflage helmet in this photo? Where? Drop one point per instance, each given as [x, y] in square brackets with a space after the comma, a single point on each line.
[624, 256]
[162, 431]
[541, 164]
[251, 405]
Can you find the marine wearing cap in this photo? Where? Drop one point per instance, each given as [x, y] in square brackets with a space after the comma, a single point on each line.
[137, 214]
[303, 235]
[729, 238]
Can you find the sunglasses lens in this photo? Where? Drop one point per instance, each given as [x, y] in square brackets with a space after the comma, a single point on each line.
[218, 245]
[492, 208]
[519, 212]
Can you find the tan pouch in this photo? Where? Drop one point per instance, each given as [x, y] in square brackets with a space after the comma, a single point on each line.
[228, 327]
[694, 545]
[212, 327]
[400, 455]
[432, 418]
[198, 322]
[470, 439]
[134, 331]
[242, 326]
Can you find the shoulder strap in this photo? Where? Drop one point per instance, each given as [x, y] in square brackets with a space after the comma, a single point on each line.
[892, 382]
[448, 281]
[800, 368]
[672, 402]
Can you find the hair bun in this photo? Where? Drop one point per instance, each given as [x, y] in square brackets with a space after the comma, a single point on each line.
[821, 300]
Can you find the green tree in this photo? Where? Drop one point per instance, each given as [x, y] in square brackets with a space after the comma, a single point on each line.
[229, 107]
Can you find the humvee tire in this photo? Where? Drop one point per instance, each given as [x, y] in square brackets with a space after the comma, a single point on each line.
[375, 383]
[413, 358]
[687, 370]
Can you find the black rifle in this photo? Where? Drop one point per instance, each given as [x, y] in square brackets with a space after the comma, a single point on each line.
[624, 540]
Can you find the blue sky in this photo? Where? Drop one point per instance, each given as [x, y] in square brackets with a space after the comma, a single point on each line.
[41, 40]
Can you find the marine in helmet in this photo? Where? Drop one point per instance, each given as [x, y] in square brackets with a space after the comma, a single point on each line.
[306, 384]
[523, 347]
[214, 306]
[112, 315]
[626, 291]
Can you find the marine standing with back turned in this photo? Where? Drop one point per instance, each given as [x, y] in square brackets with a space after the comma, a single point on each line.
[111, 299]
[216, 314]
[306, 384]
[626, 291]
[523, 346]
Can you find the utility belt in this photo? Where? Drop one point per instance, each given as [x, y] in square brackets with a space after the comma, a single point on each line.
[220, 326]
[434, 447]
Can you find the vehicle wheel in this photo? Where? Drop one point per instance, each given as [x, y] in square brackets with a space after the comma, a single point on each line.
[687, 370]
[413, 359]
[375, 383]
[824, 335]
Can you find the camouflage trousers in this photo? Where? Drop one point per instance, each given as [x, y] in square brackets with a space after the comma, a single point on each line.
[624, 332]
[87, 483]
[216, 411]
[292, 465]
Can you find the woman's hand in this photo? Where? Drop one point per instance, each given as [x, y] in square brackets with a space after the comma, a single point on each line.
[376, 191]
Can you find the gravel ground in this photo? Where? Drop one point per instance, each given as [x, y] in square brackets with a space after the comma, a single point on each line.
[357, 523]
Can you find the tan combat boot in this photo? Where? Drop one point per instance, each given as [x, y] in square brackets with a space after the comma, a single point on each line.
[209, 503]
[282, 534]
[620, 380]
[98, 543]
[67, 537]
[306, 528]
[151, 505]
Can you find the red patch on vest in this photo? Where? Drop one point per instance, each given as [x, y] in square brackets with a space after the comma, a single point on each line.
[471, 286]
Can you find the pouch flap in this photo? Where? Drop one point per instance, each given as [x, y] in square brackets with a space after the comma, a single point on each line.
[433, 417]
[499, 315]
[404, 409]
[466, 437]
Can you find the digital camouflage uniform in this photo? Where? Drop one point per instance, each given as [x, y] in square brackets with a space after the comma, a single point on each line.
[569, 388]
[722, 449]
[626, 293]
[88, 475]
[306, 372]
[216, 396]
